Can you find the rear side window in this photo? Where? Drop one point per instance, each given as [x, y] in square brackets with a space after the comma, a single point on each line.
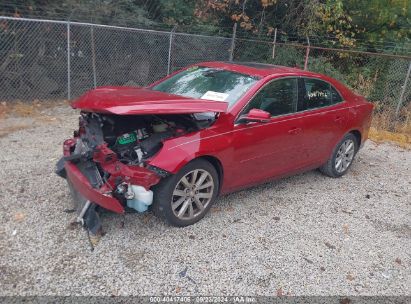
[335, 96]
[318, 93]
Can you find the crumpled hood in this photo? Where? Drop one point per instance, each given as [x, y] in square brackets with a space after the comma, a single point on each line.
[140, 101]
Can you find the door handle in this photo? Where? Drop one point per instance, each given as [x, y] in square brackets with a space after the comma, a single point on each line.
[338, 119]
[295, 131]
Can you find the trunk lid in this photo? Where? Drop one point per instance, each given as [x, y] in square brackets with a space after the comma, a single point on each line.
[141, 101]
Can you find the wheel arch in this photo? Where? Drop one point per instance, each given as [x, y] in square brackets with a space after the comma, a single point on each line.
[357, 135]
[217, 165]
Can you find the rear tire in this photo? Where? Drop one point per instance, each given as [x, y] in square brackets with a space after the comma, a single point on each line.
[185, 198]
[342, 157]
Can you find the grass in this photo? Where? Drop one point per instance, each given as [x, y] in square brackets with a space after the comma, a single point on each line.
[387, 127]
[16, 116]
[28, 109]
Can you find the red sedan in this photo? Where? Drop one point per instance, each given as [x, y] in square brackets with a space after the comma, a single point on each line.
[209, 129]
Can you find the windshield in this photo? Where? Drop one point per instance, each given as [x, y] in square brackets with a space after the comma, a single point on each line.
[207, 83]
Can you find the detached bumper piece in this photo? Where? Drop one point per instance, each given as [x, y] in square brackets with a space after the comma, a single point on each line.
[88, 216]
[83, 186]
[99, 179]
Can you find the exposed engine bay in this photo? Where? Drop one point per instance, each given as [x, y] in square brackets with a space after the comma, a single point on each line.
[106, 161]
[134, 138]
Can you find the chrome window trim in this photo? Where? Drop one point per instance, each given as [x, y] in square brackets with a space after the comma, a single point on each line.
[331, 85]
[297, 77]
[258, 91]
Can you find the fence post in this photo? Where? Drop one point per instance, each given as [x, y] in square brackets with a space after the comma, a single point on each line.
[274, 41]
[68, 62]
[233, 42]
[404, 87]
[93, 56]
[170, 45]
[307, 53]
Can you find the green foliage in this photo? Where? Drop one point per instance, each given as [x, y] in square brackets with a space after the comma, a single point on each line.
[288, 56]
[116, 12]
[249, 51]
[388, 85]
[351, 22]
[326, 66]
[177, 12]
[374, 25]
[379, 20]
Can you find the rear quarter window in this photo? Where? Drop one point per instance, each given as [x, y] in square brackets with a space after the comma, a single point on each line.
[318, 93]
[335, 96]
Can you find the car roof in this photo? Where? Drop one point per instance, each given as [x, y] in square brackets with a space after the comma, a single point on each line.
[256, 69]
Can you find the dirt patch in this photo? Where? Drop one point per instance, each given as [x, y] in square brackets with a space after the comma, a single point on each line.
[18, 116]
[29, 109]
[11, 129]
[401, 139]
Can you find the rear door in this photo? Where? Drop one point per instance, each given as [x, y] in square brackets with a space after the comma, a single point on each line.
[324, 114]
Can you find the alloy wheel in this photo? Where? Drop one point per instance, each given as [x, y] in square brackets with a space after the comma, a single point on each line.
[344, 155]
[192, 194]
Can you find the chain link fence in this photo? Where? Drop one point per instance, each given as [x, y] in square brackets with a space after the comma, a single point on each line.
[44, 59]
[382, 78]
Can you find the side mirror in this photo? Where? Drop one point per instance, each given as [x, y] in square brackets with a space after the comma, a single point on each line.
[255, 115]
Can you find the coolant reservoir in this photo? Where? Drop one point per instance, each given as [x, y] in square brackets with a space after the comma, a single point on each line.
[142, 198]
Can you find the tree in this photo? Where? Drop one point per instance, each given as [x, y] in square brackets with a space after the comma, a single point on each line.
[375, 21]
[120, 12]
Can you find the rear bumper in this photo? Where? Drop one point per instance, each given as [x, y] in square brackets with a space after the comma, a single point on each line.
[118, 173]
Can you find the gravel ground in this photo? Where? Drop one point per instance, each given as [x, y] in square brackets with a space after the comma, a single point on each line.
[304, 235]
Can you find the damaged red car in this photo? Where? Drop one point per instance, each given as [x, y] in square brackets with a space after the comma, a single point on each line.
[209, 129]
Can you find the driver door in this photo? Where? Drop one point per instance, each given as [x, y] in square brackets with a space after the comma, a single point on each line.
[262, 150]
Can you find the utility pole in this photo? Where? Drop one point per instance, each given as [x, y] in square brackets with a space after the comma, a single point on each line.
[233, 42]
[307, 53]
[274, 41]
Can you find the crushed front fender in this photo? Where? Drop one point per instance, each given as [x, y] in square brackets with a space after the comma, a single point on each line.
[116, 171]
[135, 175]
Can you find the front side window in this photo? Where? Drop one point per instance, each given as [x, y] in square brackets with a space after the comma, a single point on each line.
[318, 93]
[277, 97]
[208, 83]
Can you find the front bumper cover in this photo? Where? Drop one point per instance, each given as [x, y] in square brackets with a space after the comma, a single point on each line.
[82, 185]
[117, 172]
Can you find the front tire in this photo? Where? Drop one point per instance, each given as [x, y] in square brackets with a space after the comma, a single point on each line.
[184, 198]
[342, 157]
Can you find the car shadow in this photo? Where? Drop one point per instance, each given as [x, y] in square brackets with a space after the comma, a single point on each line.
[224, 203]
